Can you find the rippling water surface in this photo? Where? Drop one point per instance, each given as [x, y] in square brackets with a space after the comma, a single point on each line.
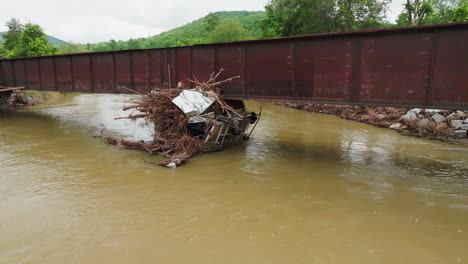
[308, 188]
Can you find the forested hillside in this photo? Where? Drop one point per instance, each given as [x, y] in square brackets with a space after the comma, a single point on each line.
[52, 40]
[196, 32]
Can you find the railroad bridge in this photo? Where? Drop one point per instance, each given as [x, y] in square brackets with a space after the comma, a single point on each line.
[422, 66]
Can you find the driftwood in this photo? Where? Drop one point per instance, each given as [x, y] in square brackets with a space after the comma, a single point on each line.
[171, 137]
[9, 89]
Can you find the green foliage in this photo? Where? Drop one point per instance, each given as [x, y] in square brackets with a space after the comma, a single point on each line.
[460, 14]
[416, 12]
[3, 51]
[295, 17]
[71, 48]
[230, 30]
[14, 32]
[433, 12]
[32, 42]
[212, 20]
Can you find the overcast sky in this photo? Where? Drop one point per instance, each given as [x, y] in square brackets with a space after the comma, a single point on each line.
[83, 21]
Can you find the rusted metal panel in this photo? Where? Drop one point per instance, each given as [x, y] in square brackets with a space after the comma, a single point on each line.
[122, 70]
[266, 81]
[46, 66]
[155, 67]
[182, 69]
[203, 62]
[81, 73]
[229, 58]
[323, 69]
[103, 73]
[7, 73]
[394, 69]
[64, 80]
[140, 71]
[33, 79]
[450, 75]
[19, 73]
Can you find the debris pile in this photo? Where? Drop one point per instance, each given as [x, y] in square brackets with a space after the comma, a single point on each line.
[436, 123]
[439, 124]
[189, 121]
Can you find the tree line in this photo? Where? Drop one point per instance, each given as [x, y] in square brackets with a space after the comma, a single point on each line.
[281, 18]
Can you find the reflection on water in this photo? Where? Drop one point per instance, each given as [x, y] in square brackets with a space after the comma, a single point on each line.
[308, 188]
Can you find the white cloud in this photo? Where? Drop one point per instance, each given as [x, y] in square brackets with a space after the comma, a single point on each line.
[83, 21]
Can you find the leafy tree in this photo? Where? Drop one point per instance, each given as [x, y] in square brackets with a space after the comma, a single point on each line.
[134, 44]
[212, 21]
[112, 44]
[32, 42]
[433, 12]
[416, 12]
[230, 30]
[3, 52]
[12, 36]
[460, 14]
[295, 17]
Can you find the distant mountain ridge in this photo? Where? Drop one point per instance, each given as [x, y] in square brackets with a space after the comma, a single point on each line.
[52, 40]
[185, 35]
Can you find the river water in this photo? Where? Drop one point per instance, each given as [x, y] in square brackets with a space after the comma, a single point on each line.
[308, 188]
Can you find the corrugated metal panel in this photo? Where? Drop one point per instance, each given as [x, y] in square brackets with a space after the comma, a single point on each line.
[19, 73]
[265, 81]
[140, 71]
[155, 68]
[203, 62]
[7, 73]
[47, 68]
[102, 70]
[395, 69]
[182, 66]
[450, 75]
[63, 74]
[33, 79]
[230, 59]
[82, 73]
[323, 69]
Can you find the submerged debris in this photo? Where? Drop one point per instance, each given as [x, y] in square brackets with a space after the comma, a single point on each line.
[189, 121]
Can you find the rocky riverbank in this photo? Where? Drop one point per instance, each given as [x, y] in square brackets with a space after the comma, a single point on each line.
[446, 125]
[24, 98]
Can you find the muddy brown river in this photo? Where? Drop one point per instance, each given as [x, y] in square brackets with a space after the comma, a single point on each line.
[308, 188]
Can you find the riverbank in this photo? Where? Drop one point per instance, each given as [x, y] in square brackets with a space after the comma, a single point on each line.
[445, 125]
[28, 98]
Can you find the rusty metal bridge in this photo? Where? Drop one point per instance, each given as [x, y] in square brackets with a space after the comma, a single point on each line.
[425, 66]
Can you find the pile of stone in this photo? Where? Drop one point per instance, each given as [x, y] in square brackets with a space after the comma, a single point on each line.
[452, 123]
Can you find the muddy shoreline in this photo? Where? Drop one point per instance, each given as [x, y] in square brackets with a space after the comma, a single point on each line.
[434, 124]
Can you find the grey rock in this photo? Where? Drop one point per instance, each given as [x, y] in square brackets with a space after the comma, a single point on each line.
[423, 122]
[410, 116]
[397, 126]
[458, 133]
[433, 111]
[456, 123]
[438, 118]
[415, 110]
[466, 121]
[464, 126]
[457, 115]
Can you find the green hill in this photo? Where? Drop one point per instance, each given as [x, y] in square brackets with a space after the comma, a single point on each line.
[52, 40]
[195, 30]
[189, 34]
